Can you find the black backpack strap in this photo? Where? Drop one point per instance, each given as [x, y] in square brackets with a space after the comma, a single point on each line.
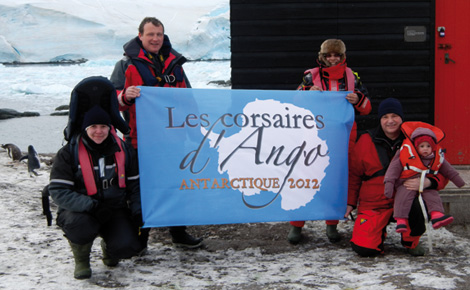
[149, 79]
[159, 79]
[378, 173]
[46, 209]
[173, 73]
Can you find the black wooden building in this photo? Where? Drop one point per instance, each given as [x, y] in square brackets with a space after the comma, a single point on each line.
[389, 43]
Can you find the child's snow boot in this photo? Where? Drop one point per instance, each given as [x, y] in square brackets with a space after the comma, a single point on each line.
[402, 225]
[439, 219]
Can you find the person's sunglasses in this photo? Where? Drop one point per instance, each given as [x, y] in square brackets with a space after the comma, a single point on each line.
[326, 55]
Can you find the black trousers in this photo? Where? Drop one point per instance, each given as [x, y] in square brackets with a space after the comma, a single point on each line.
[119, 232]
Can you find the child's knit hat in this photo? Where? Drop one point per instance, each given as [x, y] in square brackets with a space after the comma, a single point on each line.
[421, 135]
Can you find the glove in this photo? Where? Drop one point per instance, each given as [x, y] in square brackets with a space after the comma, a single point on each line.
[143, 233]
[389, 189]
[137, 220]
[101, 212]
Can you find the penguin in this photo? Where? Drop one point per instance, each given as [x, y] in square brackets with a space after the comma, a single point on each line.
[13, 151]
[33, 160]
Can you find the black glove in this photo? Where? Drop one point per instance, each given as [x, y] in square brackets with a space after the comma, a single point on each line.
[137, 220]
[143, 233]
[101, 212]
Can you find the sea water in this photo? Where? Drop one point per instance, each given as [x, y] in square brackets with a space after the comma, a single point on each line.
[43, 88]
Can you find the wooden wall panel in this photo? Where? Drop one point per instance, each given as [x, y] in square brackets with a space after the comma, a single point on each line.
[273, 42]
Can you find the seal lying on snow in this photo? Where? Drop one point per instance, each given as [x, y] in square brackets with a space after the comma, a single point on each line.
[13, 151]
[33, 160]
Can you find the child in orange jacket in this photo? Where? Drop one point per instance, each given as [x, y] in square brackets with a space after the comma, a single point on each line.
[419, 155]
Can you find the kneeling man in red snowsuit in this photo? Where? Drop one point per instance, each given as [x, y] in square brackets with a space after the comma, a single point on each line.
[369, 161]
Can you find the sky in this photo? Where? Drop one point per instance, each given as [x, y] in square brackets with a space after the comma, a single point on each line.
[248, 256]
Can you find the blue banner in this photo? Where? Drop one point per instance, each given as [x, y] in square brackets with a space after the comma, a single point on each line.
[210, 156]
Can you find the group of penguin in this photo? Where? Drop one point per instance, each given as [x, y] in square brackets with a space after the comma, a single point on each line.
[33, 158]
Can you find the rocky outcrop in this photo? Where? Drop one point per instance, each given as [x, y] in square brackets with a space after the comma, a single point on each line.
[61, 111]
[10, 113]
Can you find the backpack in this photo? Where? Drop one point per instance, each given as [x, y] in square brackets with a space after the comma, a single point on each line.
[91, 91]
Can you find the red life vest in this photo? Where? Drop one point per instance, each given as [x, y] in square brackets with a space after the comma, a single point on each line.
[316, 78]
[411, 162]
[87, 165]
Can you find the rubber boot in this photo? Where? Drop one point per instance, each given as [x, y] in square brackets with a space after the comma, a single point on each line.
[295, 235]
[417, 251]
[182, 239]
[81, 255]
[107, 260]
[332, 233]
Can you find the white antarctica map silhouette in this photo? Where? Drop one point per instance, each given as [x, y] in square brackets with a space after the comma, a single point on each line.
[243, 165]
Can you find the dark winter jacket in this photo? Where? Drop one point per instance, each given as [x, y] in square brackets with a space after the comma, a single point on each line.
[166, 67]
[67, 187]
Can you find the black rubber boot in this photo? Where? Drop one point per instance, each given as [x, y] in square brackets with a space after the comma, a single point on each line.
[295, 235]
[332, 233]
[417, 251]
[182, 239]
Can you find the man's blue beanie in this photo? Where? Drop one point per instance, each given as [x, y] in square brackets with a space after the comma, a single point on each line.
[390, 105]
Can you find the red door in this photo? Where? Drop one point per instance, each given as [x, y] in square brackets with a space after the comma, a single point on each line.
[452, 78]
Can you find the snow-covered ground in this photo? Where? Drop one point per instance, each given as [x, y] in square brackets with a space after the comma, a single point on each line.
[244, 256]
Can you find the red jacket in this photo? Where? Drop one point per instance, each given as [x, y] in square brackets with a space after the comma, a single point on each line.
[369, 160]
[311, 76]
[363, 106]
[172, 65]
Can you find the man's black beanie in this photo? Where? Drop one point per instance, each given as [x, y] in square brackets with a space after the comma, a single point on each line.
[390, 105]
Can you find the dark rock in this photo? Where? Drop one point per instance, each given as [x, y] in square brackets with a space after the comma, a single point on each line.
[63, 113]
[10, 113]
[222, 83]
[29, 114]
[62, 108]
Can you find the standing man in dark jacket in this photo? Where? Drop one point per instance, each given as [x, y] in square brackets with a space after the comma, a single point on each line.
[150, 61]
[369, 161]
[95, 183]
